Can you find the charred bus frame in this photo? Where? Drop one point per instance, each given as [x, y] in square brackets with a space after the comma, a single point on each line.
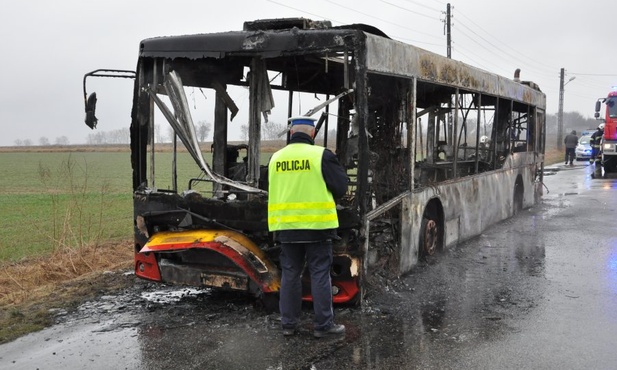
[436, 151]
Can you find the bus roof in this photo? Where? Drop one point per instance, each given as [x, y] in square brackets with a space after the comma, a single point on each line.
[285, 37]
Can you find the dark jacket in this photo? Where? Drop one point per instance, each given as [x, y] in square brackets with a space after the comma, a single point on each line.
[336, 181]
[571, 141]
[596, 138]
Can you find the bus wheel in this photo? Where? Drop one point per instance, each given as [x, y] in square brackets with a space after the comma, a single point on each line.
[517, 199]
[429, 237]
[431, 231]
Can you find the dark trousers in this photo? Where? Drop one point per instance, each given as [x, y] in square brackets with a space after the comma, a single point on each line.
[594, 154]
[319, 259]
[570, 155]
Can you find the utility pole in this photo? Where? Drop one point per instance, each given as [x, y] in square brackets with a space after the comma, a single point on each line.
[448, 33]
[560, 111]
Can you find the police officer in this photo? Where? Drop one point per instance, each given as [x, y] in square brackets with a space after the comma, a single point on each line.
[304, 179]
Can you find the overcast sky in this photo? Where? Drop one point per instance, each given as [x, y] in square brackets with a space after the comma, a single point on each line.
[47, 47]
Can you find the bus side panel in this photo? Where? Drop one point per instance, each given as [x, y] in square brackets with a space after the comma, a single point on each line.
[470, 204]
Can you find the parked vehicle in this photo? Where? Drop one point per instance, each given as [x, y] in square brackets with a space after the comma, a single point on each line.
[609, 139]
[588, 131]
[583, 149]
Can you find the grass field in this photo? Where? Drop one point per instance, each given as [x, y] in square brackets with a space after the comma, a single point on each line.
[62, 199]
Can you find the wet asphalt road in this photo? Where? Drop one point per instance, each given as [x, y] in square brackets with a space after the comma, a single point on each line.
[538, 291]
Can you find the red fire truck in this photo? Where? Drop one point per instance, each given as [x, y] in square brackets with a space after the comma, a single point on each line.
[609, 140]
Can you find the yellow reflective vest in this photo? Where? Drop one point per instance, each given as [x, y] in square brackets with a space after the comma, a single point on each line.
[298, 197]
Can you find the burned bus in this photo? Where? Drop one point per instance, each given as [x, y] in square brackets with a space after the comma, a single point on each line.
[436, 150]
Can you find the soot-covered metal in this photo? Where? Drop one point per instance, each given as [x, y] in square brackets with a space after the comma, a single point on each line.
[421, 137]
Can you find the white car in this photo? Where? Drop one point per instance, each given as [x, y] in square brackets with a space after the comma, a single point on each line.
[583, 149]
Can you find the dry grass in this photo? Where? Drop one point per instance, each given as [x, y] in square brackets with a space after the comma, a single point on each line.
[31, 289]
[552, 156]
[65, 148]
[33, 278]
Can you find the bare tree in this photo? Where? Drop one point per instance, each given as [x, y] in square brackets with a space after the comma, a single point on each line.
[244, 132]
[43, 141]
[62, 140]
[95, 138]
[27, 142]
[19, 142]
[119, 136]
[203, 130]
[125, 136]
[270, 130]
[158, 136]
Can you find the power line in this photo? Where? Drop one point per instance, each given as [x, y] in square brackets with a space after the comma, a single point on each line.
[585, 82]
[483, 46]
[424, 6]
[303, 11]
[489, 33]
[407, 10]
[365, 14]
[401, 38]
[476, 63]
[381, 19]
[497, 48]
[439, 2]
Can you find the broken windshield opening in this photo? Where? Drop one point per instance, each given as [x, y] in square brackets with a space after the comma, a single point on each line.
[182, 124]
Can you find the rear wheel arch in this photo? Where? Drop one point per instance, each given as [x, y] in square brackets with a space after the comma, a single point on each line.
[432, 227]
[518, 195]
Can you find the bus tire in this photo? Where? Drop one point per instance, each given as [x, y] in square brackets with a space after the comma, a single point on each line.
[431, 234]
[517, 199]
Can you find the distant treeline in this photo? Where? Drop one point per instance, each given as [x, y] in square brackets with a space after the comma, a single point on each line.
[272, 131]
